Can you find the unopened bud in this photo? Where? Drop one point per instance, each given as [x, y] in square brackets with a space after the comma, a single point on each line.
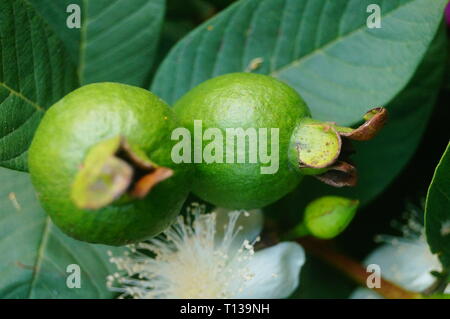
[326, 217]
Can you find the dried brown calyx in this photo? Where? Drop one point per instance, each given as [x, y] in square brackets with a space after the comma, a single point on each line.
[113, 169]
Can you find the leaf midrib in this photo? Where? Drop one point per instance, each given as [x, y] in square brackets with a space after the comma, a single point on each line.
[338, 39]
[18, 94]
[23, 97]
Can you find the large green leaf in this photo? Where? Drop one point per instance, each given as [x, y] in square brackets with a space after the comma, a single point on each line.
[117, 40]
[35, 72]
[322, 48]
[35, 254]
[437, 210]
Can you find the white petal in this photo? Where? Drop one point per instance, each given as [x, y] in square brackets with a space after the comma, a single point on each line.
[250, 224]
[364, 293]
[407, 263]
[447, 290]
[276, 271]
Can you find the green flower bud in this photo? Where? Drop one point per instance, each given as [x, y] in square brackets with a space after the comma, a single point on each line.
[326, 217]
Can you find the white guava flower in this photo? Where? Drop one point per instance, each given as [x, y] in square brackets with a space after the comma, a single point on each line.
[405, 261]
[197, 258]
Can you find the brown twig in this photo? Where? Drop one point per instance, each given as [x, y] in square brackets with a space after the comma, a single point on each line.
[353, 269]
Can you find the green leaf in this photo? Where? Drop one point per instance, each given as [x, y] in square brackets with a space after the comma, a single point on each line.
[437, 210]
[35, 254]
[380, 161]
[117, 40]
[35, 72]
[324, 49]
[54, 13]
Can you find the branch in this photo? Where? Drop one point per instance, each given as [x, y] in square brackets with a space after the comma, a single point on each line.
[353, 269]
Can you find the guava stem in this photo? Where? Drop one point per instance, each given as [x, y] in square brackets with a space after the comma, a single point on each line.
[299, 231]
[353, 269]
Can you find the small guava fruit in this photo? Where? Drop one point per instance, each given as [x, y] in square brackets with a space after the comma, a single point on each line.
[289, 143]
[100, 162]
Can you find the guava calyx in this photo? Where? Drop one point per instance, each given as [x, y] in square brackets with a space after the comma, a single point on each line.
[115, 170]
[375, 119]
[340, 174]
[322, 149]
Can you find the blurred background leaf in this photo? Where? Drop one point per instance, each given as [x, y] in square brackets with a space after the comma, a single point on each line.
[117, 41]
[35, 254]
[437, 210]
[35, 72]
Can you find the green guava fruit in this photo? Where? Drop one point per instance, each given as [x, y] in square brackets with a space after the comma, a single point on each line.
[100, 162]
[219, 110]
